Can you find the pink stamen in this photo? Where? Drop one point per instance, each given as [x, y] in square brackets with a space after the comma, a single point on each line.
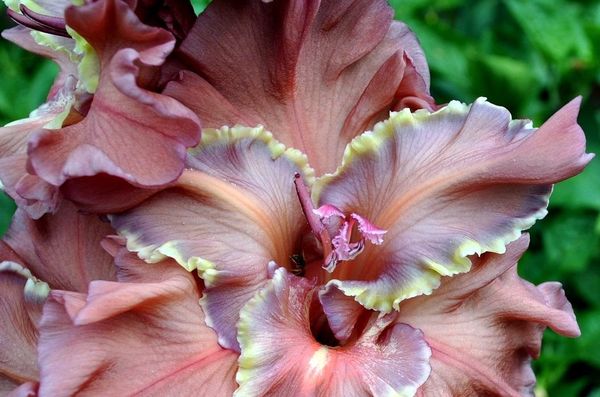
[340, 248]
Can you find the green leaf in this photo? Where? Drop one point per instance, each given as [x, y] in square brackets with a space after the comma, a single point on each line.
[569, 242]
[554, 27]
[7, 209]
[504, 80]
[588, 349]
[580, 192]
[200, 5]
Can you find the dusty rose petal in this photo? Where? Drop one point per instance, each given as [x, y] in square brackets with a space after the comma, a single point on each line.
[30, 192]
[316, 74]
[280, 356]
[485, 325]
[104, 193]
[232, 212]
[153, 343]
[446, 185]
[128, 131]
[18, 334]
[62, 107]
[62, 249]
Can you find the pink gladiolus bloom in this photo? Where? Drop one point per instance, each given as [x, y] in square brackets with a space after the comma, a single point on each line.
[332, 232]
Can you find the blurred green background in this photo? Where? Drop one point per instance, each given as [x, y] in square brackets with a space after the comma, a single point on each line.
[529, 56]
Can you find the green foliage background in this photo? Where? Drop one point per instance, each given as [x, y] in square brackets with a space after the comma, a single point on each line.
[529, 56]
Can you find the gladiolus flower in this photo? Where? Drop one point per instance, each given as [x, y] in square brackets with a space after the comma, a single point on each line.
[334, 233]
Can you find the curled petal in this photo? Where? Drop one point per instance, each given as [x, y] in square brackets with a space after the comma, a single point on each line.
[461, 181]
[368, 230]
[484, 327]
[127, 132]
[30, 192]
[342, 311]
[315, 73]
[327, 211]
[384, 361]
[152, 321]
[232, 212]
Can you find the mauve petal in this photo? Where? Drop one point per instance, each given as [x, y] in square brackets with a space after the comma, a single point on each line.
[18, 334]
[316, 73]
[232, 212]
[280, 356]
[30, 192]
[62, 249]
[341, 311]
[446, 185]
[140, 144]
[153, 343]
[484, 327]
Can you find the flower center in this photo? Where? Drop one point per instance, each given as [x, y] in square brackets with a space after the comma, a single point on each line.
[343, 247]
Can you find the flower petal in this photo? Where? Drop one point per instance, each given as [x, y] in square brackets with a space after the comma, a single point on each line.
[28, 389]
[109, 140]
[484, 327]
[369, 230]
[21, 299]
[342, 311]
[315, 73]
[154, 344]
[18, 334]
[232, 212]
[327, 211]
[383, 362]
[62, 249]
[16, 181]
[446, 185]
[176, 16]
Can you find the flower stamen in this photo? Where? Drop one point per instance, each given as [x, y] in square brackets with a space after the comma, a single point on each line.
[39, 22]
[340, 248]
[317, 227]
